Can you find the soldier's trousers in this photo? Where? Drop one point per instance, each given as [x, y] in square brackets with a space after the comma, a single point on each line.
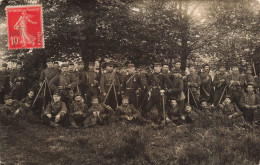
[217, 94]
[235, 96]
[77, 119]
[194, 96]
[48, 121]
[251, 115]
[66, 97]
[112, 99]
[154, 99]
[18, 92]
[90, 92]
[2, 95]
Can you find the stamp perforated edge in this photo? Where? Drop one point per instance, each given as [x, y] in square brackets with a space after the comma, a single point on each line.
[24, 6]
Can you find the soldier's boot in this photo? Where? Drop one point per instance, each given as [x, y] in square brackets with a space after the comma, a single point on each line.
[73, 124]
[54, 124]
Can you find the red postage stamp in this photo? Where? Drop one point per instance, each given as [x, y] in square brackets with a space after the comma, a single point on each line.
[25, 27]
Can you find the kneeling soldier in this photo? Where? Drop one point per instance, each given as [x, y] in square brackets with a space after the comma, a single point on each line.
[55, 111]
[77, 111]
[173, 113]
[98, 113]
[128, 112]
[189, 116]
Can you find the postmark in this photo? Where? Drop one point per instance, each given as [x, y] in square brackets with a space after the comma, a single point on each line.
[25, 27]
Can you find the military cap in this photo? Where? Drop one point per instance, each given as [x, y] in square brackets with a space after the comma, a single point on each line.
[91, 63]
[64, 65]
[111, 64]
[157, 64]
[8, 97]
[175, 71]
[30, 90]
[131, 65]
[222, 65]
[187, 104]
[70, 63]
[173, 98]
[4, 65]
[93, 98]
[165, 63]
[203, 100]
[55, 62]
[177, 61]
[249, 68]
[19, 63]
[77, 94]
[250, 83]
[57, 93]
[227, 96]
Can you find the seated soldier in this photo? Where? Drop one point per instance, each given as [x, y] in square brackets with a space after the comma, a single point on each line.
[127, 112]
[189, 116]
[250, 104]
[7, 111]
[231, 110]
[77, 111]
[173, 112]
[55, 112]
[98, 113]
[25, 110]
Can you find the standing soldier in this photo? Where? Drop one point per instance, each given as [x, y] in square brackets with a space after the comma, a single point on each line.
[206, 83]
[235, 82]
[193, 86]
[4, 82]
[81, 74]
[157, 90]
[249, 78]
[92, 81]
[110, 86]
[219, 83]
[65, 83]
[56, 67]
[17, 80]
[144, 88]
[132, 85]
[176, 89]
[250, 104]
[49, 72]
[177, 68]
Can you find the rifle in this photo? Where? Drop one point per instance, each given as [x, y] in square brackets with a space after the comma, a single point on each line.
[222, 95]
[164, 113]
[193, 98]
[109, 87]
[205, 91]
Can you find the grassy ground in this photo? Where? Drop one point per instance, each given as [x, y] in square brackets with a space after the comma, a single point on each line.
[212, 141]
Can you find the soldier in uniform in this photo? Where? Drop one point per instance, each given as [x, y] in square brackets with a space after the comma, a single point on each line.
[249, 78]
[98, 114]
[250, 104]
[206, 83]
[48, 73]
[56, 67]
[193, 85]
[235, 83]
[157, 90]
[81, 74]
[131, 86]
[173, 112]
[17, 80]
[205, 107]
[127, 112]
[4, 82]
[229, 109]
[189, 116]
[91, 82]
[8, 110]
[56, 111]
[144, 88]
[65, 83]
[77, 111]
[176, 89]
[110, 80]
[219, 83]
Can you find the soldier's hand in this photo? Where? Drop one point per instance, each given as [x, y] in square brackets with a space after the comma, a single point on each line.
[247, 106]
[57, 117]
[189, 84]
[162, 92]
[104, 94]
[48, 115]
[183, 117]
[168, 120]
[16, 112]
[230, 116]
[95, 82]
[231, 82]
[254, 107]
[40, 83]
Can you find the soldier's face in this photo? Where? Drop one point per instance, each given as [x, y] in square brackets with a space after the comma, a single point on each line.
[192, 70]
[157, 69]
[173, 103]
[250, 88]
[56, 65]
[227, 101]
[206, 68]
[78, 98]
[165, 68]
[49, 64]
[222, 69]
[94, 101]
[64, 69]
[204, 104]
[188, 108]
[125, 101]
[249, 71]
[71, 67]
[19, 66]
[131, 70]
[109, 68]
[4, 68]
[56, 98]
[31, 94]
[81, 66]
[177, 65]
[91, 67]
[8, 101]
[143, 71]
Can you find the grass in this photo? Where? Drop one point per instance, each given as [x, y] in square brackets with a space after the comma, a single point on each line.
[210, 141]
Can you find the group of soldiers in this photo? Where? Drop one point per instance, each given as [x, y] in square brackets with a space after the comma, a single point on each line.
[158, 96]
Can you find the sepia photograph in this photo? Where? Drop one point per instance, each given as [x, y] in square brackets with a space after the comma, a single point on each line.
[130, 82]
